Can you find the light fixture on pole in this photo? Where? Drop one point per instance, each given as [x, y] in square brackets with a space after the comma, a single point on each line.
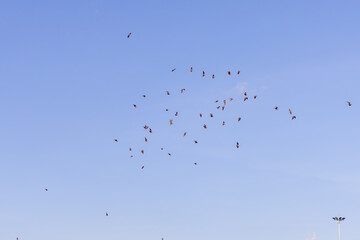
[339, 219]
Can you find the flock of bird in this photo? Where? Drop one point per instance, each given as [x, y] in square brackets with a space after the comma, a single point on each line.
[222, 107]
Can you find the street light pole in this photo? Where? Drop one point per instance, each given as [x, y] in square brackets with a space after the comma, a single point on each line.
[338, 220]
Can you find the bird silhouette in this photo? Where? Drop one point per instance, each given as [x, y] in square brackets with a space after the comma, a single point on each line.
[184, 134]
[213, 76]
[134, 105]
[238, 72]
[191, 69]
[237, 145]
[128, 35]
[239, 118]
[205, 126]
[290, 111]
[182, 90]
[229, 73]
[167, 93]
[142, 151]
[173, 69]
[171, 122]
[293, 117]
[115, 140]
[276, 108]
[203, 74]
[349, 103]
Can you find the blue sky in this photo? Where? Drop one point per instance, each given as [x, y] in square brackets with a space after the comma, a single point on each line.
[68, 80]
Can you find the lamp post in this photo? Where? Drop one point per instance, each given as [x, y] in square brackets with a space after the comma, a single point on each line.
[338, 220]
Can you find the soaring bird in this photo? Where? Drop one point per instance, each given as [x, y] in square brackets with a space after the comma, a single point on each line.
[217, 101]
[231, 99]
[224, 102]
[142, 151]
[223, 123]
[238, 72]
[166, 110]
[115, 140]
[203, 74]
[128, 35]
[171, 121]
[173, 69]
[146, 139]
[195, 141]
[106, 214]
[290, 111]
[46, 189]
[245, 93]
[150, 131]
[276, 108]
[169, 154]
[211, 115]
[245, 98]
[239, 118]
[142, 167]
[205, 126]
[191, 69]
[176, 114]
[134, 105]
[184, 134]
[167, 93]
[349, 103]
[144, 96]
[213, 76]
[195, 163]
[161, 149]
[222, 108]
[293, 117]
[130, 149]
[218, 107]
[237, 145]
[182, 90]
[229, 73]
[200, 114]
[131, 156]
[146, 127]
[255, 97]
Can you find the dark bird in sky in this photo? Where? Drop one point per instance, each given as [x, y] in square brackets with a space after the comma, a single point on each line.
[173, 69]
[245, 93]
[176, 114]
[205, 126]
[182, 90]
[191, 69]
[237, 145]
[245, 98]
[128, 35]
[130, 149]
[224, 102]
[203, 74]
[349, 103]
[213, 76]
[161, 149]
[169, 154]
[146, 127]
[150, 131]
[142, 151]
[211, 115]
[217, 101]
[131, 156]
[144, 96]
[195, 141]
[218, 107]
[293, 117]
[229, 73]
[184, 134]
[200, 114]
[239, 118]
[255, 97]
[223, 123]
[195, 163]
[166, 110]
[146, 139]
[134, 105]
[290, 111]
[222, 108]
[106, 214]
[276, 108]
[142, 167]
[46, 189]
[167, 93]
[115, 140]
[238, 72]
[231, 99]
[171, 122]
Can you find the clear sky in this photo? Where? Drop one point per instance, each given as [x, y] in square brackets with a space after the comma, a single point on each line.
[69, 77]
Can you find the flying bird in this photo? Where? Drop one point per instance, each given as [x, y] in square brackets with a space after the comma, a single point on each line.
[106, 214]
[146, 127]
[245, 98]
[134, 105]
[184, 134]
[144, 96]
[176, 114]
[349, 103]
[195, 163]
[276, 108]
[182, 90]
[131, 156]
[169, 154]
[150, 131]
[211, 115]
[205, 126]
[167, 93]
[173, 69]
[195, 141]
[222, 108]
[255, 97]
[218, 107]
[203, 74]
[171, 122]
[200, 114]
[213, 76]
[239, 118]
[142, 167]
[293, 117]
[231, 99]
[238, 72]
[237, 145]
[217, 101]
[130, 149]
[290, 111]
[223, 123]
[245, 93]
[146, 139]
[142, 151]
[229, 73]
[115, 140]
[166, 110]
[161, 149]
[224, 102]
[191, 69]
[128, 35]
[46, 189]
